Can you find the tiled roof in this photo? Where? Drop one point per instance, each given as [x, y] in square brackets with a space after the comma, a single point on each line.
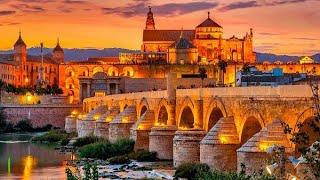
[167, 35]
[46, 59]
[182, 43]
[209, 23]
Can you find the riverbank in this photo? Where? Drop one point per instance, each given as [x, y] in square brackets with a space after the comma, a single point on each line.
[22, 159]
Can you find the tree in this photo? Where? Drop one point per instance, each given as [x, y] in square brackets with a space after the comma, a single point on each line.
[2, 86]
[309, 149]
[223, 67]
[203, 74]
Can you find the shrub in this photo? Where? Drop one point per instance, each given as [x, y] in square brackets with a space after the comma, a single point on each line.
[143, 156]
[86, 140]
[53, 136]
[105, 150]
[24, 125]
[124, 146]
[119, 160]
[65, 141]
[191, 170]
[99, 150]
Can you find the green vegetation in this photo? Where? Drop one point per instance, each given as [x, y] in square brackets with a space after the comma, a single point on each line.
[195, 171]
[86, 140]
[23, 125]
[191, 171]
[105, 149]
[90, 173]
[119, 160]
[55, 136]
[143, 156]
[49, 90]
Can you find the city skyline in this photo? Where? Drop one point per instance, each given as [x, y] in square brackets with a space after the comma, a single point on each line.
[279, 25]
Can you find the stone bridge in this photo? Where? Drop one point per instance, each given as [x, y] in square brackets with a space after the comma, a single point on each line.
[222, 127]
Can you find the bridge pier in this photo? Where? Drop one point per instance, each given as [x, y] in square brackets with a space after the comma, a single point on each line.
[85, 127]
[120, 127]
[219, 147]
[253, 153]
[161, 141]
[186, 146]
[70, 124]
[140, 131]
[102, 125]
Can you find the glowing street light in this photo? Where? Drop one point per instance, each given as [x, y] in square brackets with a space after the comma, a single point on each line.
[270, 168]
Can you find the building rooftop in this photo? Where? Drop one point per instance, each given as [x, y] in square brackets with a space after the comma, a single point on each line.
[209, 23]
[167, 35]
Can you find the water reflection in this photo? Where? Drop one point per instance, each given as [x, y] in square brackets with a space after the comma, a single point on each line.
[25, 160]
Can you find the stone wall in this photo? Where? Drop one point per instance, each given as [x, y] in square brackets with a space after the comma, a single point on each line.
[40, 115]
[149, 84]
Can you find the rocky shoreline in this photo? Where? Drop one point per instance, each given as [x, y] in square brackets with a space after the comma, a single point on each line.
[132, 170]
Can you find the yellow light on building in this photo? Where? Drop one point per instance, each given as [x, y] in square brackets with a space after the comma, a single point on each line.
[26, 80]
[74, 113]
[223, 139]
[264, 146]
[125, 119]
[96, 117]
[108, 119]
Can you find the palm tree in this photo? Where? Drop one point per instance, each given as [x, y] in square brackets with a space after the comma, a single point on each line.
[2, 86]
[203, 74]
[223, 67]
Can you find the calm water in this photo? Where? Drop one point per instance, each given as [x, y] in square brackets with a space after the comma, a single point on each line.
[20, 159]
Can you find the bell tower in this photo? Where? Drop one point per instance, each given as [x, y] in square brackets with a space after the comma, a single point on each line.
[150, 24]
[20, 50]
[58, 53]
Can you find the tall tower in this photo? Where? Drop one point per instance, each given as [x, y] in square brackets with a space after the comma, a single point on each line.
[58, 53]
[20, 49]
[150, 25]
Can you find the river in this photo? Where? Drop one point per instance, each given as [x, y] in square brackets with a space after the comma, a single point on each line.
[21, 159]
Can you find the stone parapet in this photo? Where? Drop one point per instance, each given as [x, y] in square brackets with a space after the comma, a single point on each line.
[161, 141]
[219, 147]
[70, 124]
[186, 146]
[85, 127]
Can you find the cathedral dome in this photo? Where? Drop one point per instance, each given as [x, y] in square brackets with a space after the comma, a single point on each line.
[209, 23]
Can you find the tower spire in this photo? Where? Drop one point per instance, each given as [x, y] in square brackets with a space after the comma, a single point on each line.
[208, 14]
[150, 25]
[181, 34]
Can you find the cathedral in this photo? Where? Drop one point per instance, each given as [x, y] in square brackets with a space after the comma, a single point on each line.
[162, 51]
[204, 44]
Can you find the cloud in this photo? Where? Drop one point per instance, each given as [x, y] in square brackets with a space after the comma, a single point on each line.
[170, 9]
[269, 34]
[74, 2]
[28, 8]
[6, 13]
[257, 3]
[306, 38]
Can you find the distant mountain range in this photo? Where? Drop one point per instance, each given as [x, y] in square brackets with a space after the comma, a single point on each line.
[84, 54]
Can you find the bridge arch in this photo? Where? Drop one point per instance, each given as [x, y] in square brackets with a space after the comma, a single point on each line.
[142, 107]
[187, 116]
[303, 125]
[162, 113]
[252, 123]
[215, 111]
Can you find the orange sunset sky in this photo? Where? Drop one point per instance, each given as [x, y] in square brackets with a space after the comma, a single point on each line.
[280, 26]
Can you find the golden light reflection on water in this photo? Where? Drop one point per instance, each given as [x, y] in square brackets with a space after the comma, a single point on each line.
[29, 163]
